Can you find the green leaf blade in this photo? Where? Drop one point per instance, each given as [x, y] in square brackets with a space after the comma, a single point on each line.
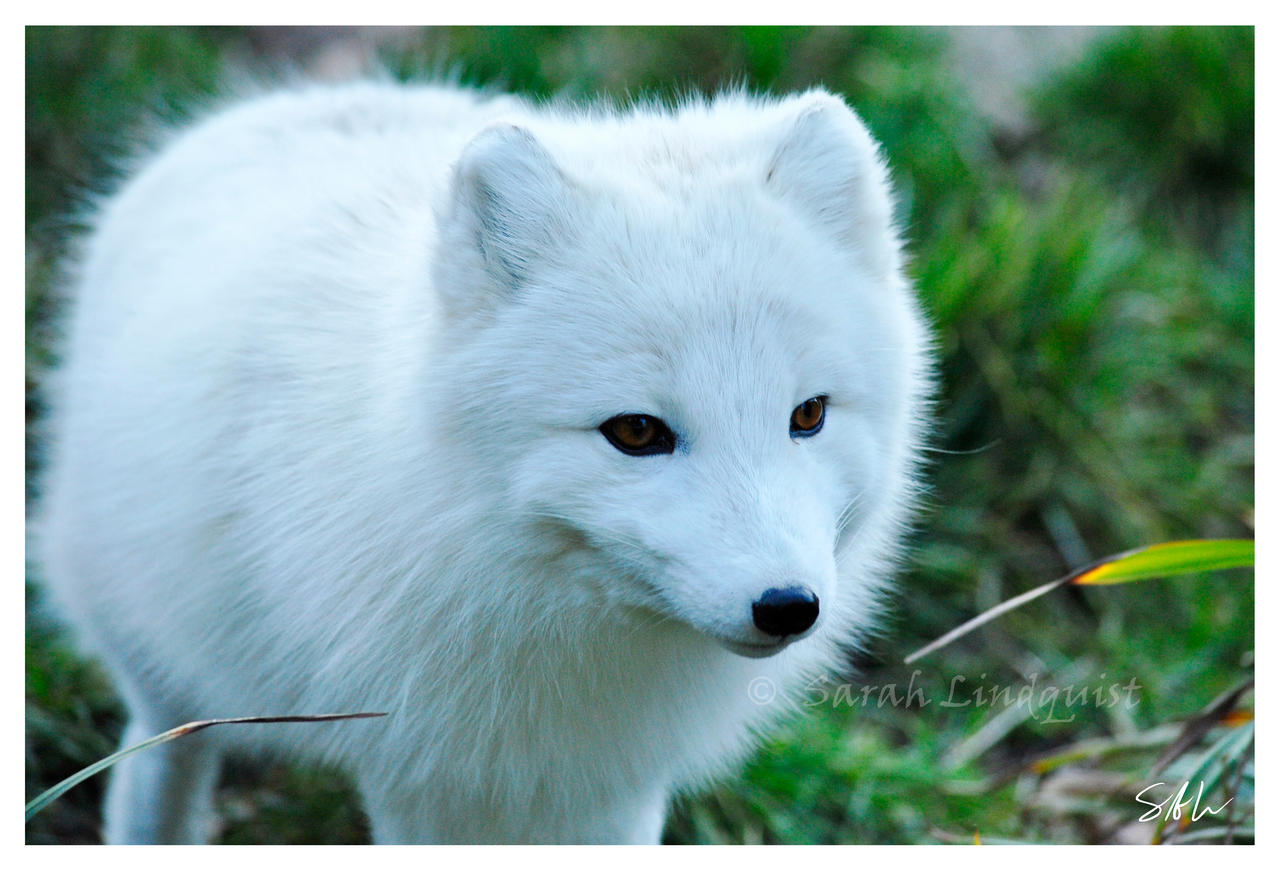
[1170, 558]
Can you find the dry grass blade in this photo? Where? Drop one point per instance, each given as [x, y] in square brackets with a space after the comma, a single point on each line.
[1211, 834]
[1212, 767]
[1198, 726]
[986, 617]
[51, 794]
[1096, 748]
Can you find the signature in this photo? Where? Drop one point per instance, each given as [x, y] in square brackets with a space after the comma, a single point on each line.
[1172, 807]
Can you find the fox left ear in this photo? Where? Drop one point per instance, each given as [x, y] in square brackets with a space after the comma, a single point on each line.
[831, 168]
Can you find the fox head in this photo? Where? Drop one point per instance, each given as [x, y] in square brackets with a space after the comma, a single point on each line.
[688, 344]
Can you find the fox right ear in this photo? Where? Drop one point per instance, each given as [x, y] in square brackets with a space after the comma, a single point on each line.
[510, 204]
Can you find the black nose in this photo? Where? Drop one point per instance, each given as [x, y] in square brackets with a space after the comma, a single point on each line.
[785, 610]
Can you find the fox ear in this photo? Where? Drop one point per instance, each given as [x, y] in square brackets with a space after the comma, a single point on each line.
[829, 166]
[510, 203]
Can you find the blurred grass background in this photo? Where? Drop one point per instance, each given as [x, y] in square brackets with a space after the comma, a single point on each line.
[1079, 206]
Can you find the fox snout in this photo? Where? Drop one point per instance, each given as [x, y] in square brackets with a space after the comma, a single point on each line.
[783, 611]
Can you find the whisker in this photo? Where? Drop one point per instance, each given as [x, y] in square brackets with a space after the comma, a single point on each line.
[988, 446]
[846, 516]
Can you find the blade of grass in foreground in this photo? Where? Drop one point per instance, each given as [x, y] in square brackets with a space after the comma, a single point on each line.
[1170, 558]
[1154, 561]
[51, 794]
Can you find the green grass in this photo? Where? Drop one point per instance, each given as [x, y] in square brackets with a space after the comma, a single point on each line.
[1091, 281]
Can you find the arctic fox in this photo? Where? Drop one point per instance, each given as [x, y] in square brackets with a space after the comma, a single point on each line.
[556, 433]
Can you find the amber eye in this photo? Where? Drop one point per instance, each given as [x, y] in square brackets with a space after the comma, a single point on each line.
[808, 416]
[639, 434]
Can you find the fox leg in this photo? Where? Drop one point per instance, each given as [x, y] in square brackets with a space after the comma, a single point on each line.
[164, 794]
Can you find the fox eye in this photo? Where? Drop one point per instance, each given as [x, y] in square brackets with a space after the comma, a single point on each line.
[639, 435]
[808, 416]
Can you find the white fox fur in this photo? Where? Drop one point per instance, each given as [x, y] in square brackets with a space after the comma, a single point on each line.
[327, 439]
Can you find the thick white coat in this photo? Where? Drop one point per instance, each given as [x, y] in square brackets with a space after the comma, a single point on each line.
[326, 439]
